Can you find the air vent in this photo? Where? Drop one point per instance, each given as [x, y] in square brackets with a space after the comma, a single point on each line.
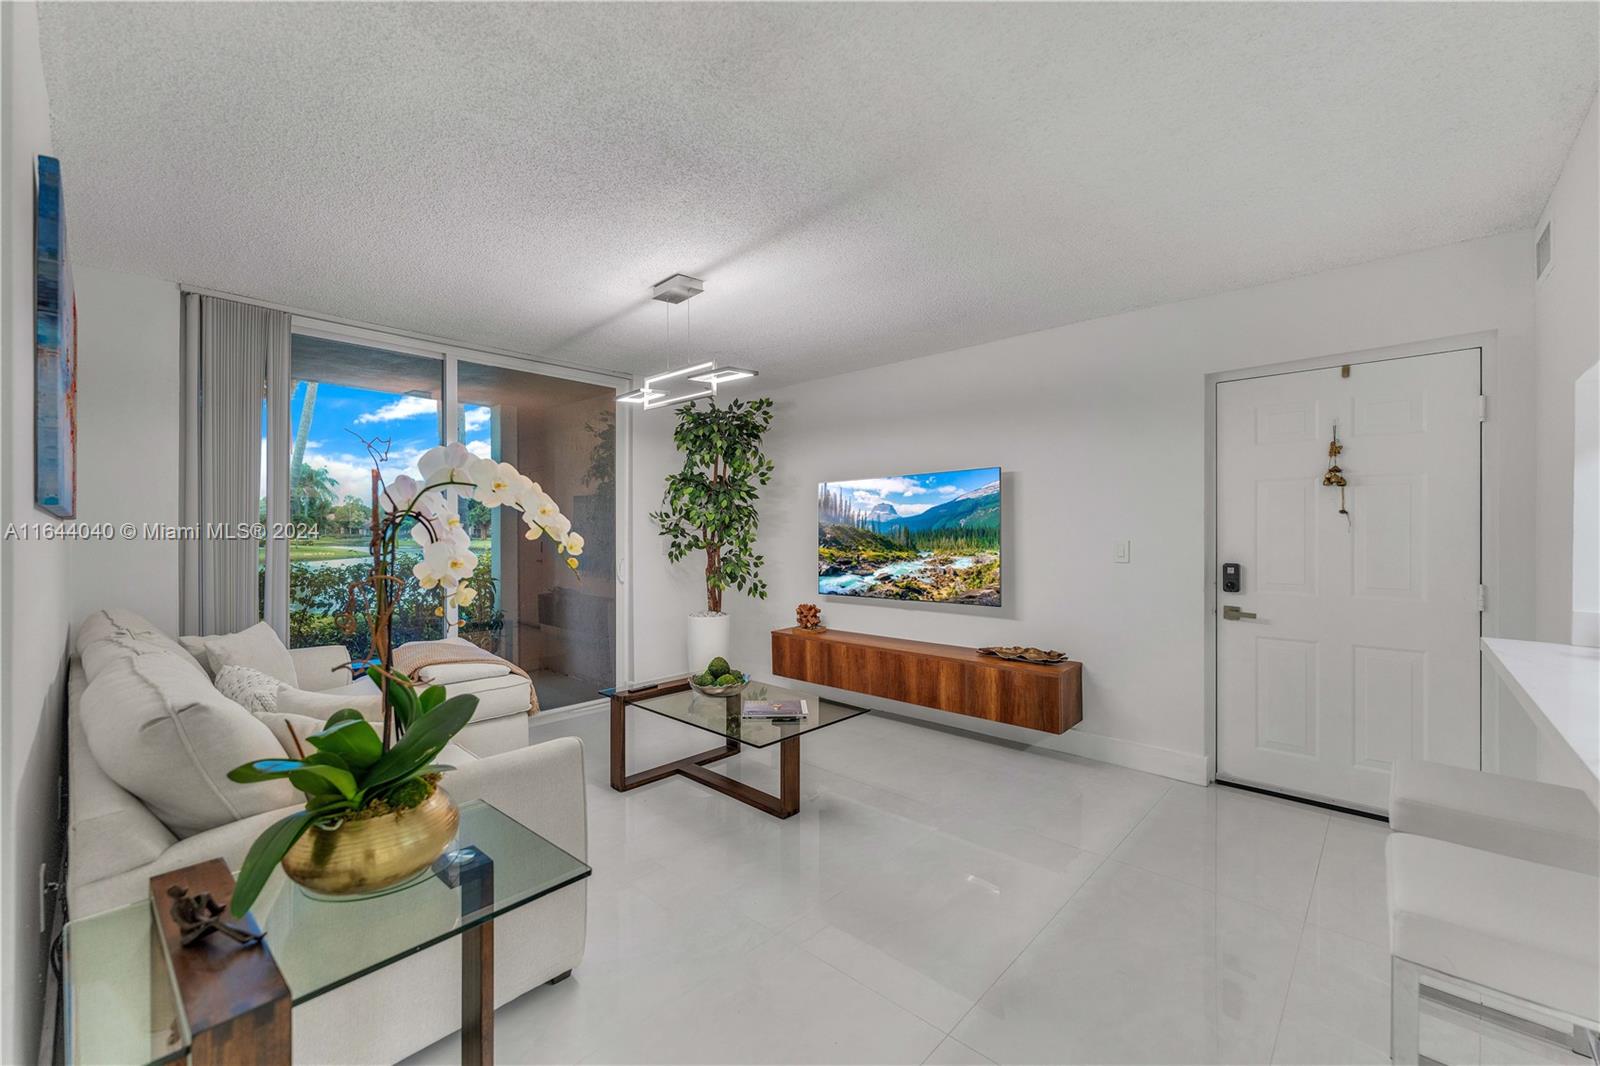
[1541, 253]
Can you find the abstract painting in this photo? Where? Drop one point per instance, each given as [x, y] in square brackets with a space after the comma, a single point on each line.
[55, 355]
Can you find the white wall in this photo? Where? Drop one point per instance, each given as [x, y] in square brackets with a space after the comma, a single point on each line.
[1100, 428]
[129, 407]
[1567, 340]
[34, 612]
[1586, 509]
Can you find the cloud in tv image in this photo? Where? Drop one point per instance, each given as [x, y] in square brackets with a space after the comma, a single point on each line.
[934, 538]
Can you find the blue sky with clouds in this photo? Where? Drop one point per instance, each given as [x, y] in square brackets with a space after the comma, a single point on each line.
[911, 494]
[410, 423]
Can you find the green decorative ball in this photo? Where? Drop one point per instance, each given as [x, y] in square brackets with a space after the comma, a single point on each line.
[727, 679]
[705, 680]
[718, 667]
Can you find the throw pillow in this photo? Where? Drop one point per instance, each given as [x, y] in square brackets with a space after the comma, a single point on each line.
[321, 705]
[249, 688]
[289, 728]
[158, 728]
[258, 647]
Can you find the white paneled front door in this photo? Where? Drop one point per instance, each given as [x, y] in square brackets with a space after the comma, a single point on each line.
[1363, 647]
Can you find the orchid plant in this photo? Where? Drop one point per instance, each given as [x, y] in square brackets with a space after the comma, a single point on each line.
[448, 561]
[353, 772]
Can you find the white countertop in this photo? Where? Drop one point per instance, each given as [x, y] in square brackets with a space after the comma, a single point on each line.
[1559, 686]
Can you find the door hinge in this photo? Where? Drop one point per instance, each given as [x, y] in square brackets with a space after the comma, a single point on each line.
[1483, 408]
[1483, 597]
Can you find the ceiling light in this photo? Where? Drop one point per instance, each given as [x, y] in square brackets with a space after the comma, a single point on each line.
[640, 395]
[662, 399]
[723, 374]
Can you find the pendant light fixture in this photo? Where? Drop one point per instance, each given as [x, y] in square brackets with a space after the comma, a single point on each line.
[673, 388]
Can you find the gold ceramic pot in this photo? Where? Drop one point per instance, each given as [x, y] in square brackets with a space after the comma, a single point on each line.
[370, 854]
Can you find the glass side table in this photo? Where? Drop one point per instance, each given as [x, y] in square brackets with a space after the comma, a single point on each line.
[122, 1005]
[723, 716]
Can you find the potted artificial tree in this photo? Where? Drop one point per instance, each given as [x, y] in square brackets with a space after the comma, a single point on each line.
[710, 506]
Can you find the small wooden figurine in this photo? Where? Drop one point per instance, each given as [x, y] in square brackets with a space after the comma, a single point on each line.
[808, 616]
[200, 915]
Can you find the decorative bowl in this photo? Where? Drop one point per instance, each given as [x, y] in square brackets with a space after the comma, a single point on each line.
[721, 690]
[1016, 653]
[367, 855]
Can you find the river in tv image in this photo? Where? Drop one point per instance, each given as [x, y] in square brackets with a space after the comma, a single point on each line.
[933, 538]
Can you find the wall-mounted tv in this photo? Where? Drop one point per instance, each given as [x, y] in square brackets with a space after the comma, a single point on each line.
[933, 538]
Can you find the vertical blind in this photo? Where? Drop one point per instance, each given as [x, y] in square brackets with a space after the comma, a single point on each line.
[233, 351]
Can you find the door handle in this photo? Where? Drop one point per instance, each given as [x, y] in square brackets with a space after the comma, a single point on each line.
[1234, 614]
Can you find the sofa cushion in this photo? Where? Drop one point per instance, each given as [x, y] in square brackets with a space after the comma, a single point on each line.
[1532, 820]
[258, 647]
[508, 694]
[110, 634]
[289, 728]
[362, 694]
[158, 728]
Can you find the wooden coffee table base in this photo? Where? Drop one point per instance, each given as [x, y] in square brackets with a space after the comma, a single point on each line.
[783, 805]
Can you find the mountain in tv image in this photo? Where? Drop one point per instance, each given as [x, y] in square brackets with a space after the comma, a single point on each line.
[933, 538]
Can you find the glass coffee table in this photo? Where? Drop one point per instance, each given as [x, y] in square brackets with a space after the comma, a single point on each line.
[723, 716]
[122, 1004]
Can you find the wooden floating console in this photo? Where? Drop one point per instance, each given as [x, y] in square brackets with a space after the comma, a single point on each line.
[943, 676]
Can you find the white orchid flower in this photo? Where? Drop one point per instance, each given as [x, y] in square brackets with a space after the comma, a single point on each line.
[399, 494]
[540, 508]
[529, 497]
[573, 544]
[496, 483]
[463, 595]
[447, 462]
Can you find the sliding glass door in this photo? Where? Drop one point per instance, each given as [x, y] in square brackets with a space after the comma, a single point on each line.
[533, 609]
[349, 391]
[342, 397]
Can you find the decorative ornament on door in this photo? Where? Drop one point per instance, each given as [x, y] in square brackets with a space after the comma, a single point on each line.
[1335, 476]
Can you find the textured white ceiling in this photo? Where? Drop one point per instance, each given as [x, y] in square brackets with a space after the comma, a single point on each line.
[857, 183]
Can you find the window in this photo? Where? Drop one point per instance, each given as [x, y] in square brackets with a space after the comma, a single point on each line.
[532, 609]
[342, 394]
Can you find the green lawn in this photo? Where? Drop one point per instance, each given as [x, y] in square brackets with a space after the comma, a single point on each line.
[349, 547]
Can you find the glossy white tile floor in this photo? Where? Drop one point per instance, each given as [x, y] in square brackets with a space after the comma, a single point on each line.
[941, 898]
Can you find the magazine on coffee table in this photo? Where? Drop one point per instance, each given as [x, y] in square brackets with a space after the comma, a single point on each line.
[775, 710]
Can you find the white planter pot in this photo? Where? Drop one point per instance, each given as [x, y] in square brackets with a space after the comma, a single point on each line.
[708, 636]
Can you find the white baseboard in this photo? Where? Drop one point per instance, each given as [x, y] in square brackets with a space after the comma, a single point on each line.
[1179, 765]
[570, 711]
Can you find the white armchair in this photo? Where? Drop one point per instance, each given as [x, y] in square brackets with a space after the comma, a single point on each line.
[499, 725]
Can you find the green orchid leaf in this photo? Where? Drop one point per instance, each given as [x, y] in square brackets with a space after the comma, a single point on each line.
[342, 781]
[422, 742]
[328, 758]
[264, 855]
[313, 785]
[346, 715]
[431, 697]
[353, 740]
[264, 770]
[402, 698]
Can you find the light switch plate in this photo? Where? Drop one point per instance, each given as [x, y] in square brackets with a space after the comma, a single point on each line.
[1122, 552]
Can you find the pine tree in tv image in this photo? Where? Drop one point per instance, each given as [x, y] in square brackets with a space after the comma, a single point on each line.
[934, 538]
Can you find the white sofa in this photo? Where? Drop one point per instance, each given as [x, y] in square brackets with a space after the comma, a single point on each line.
[115, 844]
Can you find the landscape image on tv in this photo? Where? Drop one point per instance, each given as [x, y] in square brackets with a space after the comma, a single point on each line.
[928, 537]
